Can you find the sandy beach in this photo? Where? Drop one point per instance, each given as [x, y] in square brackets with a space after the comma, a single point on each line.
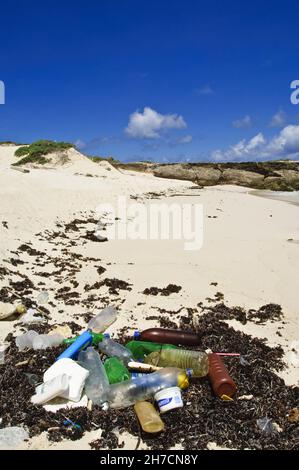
[250, 254]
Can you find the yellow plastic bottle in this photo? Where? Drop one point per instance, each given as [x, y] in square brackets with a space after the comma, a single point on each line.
[148, 417]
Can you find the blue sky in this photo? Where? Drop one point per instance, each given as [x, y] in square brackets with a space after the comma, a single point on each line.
[162, 80]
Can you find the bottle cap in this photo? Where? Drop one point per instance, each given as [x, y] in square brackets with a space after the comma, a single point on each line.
[183, 381]
[136, 334]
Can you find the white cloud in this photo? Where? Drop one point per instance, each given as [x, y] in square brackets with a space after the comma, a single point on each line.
[284, 145]
[186, 139]
[149, 123]
[278, 120]
[243, 123]
[205, 90]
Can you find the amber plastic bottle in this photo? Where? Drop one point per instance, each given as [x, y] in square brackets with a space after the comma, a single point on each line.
[221, 381]
[148, 417]
[161, 335]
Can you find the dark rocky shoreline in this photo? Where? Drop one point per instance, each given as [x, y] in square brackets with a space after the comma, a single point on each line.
[274, 175]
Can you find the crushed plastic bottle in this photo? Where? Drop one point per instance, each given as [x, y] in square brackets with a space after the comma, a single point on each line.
[196, 361]
[97, 383]
[266, 425]
[113, 349]
[103, 320]
[128, 393]
[33, 340]
[115, 370]
[12, 437]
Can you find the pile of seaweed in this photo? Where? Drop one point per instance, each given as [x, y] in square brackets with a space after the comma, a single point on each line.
[221, 311]
[170, 289]
[204, 417]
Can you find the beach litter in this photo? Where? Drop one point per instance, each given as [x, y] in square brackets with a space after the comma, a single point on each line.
[3, 347]
[130, 382]
[12, 437]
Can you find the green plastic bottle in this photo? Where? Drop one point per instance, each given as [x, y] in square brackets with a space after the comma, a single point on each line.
[141, 349]
[97, 338]
[116, 371]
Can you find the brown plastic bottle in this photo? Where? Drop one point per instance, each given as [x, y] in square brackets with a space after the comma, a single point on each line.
[161, 335]
[221, 381]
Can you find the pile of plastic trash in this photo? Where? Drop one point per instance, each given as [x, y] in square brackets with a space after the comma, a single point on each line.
[153, 368]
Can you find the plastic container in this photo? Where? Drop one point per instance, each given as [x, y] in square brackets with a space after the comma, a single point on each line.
[196, 361]
[103, 320]
[116, 371]
[161, 335]
[96, 338]
[76, 375]
[97, 383]
[31, 339]
[43, 297]
[169, 399]
[128, 393]
[140, 349]
[82, 342]
[148, 417]
[221, 381]
[113, 349]
[46, 341]
[56, 387]
[12, 437]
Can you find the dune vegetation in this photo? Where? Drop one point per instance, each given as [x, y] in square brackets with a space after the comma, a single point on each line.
[36, 152]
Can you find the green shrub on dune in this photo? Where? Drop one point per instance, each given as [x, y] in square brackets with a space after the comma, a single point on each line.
[111, 160]
[35, 152]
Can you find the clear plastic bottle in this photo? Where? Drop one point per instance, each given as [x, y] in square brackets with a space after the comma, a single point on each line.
[128, 393]
[197, 361]
[148, 417]
[31, 339]
[113, 349]
[97, 383]
[103, 320]
[47, 341]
